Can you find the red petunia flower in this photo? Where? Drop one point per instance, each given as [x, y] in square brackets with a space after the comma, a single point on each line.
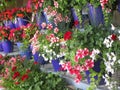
[24, 77]
[1, 56]
[113, 37]
[76, 22]
[35, 63]
[14, 68]
[20, 15]
[16, 74]
[16, 83]
[28, 70]
[68, 35]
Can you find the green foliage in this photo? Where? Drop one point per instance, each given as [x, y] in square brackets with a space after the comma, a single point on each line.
[4, 4]
[36, 80]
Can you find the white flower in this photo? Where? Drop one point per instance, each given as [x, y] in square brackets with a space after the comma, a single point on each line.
[119, 37]
[58, 56]
[46, 59]
[61, 62]
[119, 31]
[112, 27]
[108, 56]
[119, 61]
[43, 55]
[108, 42]
[51, 58]
[57, 44]
[45, 47]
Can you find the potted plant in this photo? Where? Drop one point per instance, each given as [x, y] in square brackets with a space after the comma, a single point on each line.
[111, 58]
[7, 45]
[78, 46]
[22, 74]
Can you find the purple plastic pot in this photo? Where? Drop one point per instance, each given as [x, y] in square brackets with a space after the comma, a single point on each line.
[25, 52]
[95, 15]
[56, 65]
[38, 58]
[7, 46]
[96, 68]
[1, 49]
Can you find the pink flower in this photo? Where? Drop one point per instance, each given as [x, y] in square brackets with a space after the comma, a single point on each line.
[56, 30]
[89, 63]
[43, 25]
[53, 13]
[1, 56]
[78, 78]
[49, 26]
[85, 52]
[85, 68]
[56, 4]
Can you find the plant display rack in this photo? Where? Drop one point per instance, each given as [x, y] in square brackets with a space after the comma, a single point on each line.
[83, 85]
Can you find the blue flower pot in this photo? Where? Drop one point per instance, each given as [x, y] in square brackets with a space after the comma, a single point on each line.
[26, 52]
[38, 58]
[56, 65]
[75, 17]
[7, 46]
[20, 22]
[1, 49]
[95, 15]
[96, 68]
[9, 24]
[119, 6]
[41, 18]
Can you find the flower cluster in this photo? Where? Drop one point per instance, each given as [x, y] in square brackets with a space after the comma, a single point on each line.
[109, 40]
[35, 43]
[4, 33]
[111, 56]
[15, 71]
[103, 2]
[82, 61]
[15, 12]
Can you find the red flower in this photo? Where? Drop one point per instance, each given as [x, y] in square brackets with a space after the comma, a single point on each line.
[14, 68]
[16, 83]
[16, 74]
[20, 15]
[24, 77]
[28, 70]
[113, 37]
[35, 63]
[89, 63]
[1, 56]
[68, 35]
[76, 22]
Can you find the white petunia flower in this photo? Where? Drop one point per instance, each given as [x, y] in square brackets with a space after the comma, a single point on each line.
[119, 61]
[119, 37]
[112, 27]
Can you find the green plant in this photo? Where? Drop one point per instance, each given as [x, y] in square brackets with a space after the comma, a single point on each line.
[20, 74]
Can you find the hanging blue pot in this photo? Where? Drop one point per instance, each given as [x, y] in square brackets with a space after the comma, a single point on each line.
[56, 65]
[1, 49]
[24, 52]
[20, 22]
[95, 15]
[41, 18]
[38, 58]
[7, 46]
[96, 68]
[119, 6]
[75, 18]
[9, 24]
